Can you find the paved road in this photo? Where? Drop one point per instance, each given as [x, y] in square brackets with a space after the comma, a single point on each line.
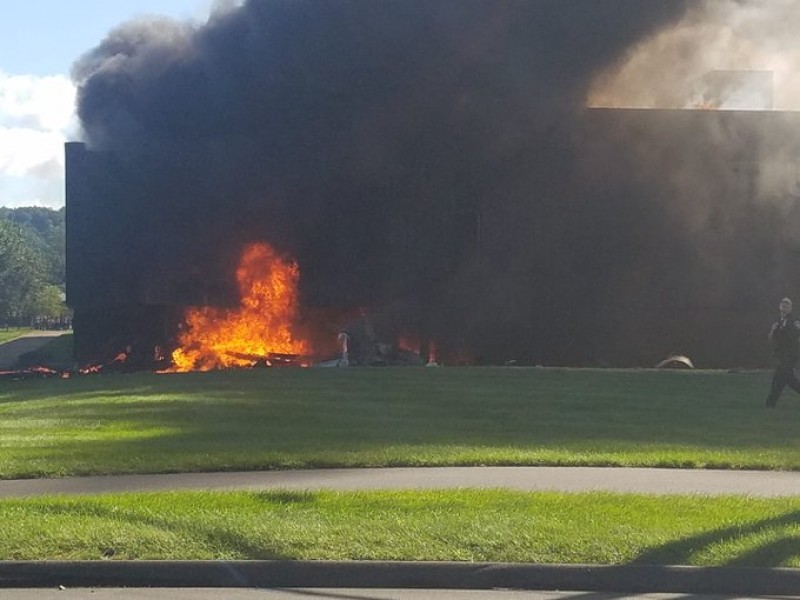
[570, 479]
[11, 351]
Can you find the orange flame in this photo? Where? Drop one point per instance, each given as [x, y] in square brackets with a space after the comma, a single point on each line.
[706, 105]
[259, 329]
[432, 353]
[408, 343]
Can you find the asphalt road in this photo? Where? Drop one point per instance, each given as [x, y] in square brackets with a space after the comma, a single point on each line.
[337, 594]
[11, 351]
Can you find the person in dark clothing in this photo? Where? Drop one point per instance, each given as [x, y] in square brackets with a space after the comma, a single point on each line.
[785, 339]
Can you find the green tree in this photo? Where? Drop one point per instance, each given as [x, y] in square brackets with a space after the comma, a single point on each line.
[49, 302]
[46, 230]
[22, 274]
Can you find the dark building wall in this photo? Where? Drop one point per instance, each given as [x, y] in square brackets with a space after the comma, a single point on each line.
[624, 237]
[715, 243]
[635, 234]
[107, 263]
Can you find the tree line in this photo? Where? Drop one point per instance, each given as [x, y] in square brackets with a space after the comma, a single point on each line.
[32, 266]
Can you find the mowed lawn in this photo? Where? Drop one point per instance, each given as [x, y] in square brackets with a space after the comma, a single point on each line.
[370, 417]
[460, 525]
[300, 418]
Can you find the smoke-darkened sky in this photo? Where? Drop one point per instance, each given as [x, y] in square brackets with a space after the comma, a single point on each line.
[437, 154]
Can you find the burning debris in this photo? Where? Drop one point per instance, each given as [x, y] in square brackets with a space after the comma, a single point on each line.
[30, 373]
[47, 372]
[259, 331]
[360, 346]
[114, 364]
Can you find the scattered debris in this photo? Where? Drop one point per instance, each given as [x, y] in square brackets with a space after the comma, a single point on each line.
[675, 360]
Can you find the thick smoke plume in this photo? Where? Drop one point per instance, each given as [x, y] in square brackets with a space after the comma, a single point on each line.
[435, 159]
[676, 67]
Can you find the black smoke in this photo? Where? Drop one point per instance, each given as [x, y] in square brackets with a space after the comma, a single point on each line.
[423, 156]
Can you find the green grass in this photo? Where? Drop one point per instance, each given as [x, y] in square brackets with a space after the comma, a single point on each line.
[294, 418]
[12, 333]
[462, 525]
[288, 418]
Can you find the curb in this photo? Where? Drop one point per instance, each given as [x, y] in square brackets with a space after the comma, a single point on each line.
[388, 574]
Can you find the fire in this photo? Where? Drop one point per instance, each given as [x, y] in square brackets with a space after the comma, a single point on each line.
[408, 343]
[432, 354]
[705, 105]
[259, 329]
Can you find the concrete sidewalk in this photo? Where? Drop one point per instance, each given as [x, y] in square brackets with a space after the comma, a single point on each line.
[568, 479]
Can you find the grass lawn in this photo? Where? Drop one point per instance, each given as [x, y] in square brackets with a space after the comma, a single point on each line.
[294, 418]
[287, 418]
[462, 525]
[12, 333]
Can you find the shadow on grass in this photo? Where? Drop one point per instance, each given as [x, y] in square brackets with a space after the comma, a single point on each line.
[772, 554]
[681, 552]
[325, 417]
[215, 537]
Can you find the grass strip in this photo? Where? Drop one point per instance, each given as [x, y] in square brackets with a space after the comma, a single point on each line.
[297, 418]
[12, 333]
[461, 525]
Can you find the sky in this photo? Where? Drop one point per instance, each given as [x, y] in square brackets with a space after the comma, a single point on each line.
[39, 42]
